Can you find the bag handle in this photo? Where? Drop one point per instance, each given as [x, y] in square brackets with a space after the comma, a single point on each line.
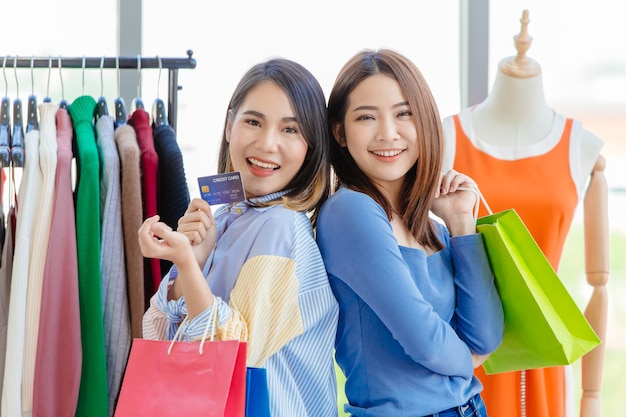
[479, 198]
[212, 320]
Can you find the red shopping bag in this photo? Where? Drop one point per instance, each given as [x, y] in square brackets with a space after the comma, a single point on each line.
[173, 378]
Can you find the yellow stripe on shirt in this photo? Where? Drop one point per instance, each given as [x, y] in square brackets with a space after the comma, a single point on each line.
[266, 295]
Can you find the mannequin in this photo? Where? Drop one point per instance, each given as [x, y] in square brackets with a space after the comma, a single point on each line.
[515, 126]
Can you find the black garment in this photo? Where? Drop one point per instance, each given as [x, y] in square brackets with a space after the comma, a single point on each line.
[172, 189]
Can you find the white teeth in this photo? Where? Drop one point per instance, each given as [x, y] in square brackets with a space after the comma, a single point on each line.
[263, 164]
[387, 153]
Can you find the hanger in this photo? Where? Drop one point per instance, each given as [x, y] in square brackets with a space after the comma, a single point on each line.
[31, 117]
[102, 109]
[120, 112]
[17, 139]
[63, 104]
[5, 131]
[120, 109]
[138, 102]
[47, 98]
[159, 114]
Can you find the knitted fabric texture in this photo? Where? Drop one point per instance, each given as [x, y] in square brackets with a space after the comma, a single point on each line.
[93, 395]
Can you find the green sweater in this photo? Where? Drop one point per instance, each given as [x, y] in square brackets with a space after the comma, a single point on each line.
[93, 395]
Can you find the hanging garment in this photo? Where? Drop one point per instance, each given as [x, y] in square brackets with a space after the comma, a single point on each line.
[3, 218]
[5, 286]
[113, 266]
[59, 351]
[540, 184]
[39, 245]
[172, 188]
[93, 395]
[140, 120]
[132, 217]
[27, 204]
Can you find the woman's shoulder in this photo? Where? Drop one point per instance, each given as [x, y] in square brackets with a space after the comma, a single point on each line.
[347, 209]
[279, 217]
[441, 231]
[348, 199]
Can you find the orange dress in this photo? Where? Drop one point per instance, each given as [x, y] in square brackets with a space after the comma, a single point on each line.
[542, 183]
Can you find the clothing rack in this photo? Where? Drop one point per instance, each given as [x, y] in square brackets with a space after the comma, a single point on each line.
[121, 62]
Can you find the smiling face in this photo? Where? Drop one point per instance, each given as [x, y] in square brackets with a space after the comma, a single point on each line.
[380, 133]
[266, 144]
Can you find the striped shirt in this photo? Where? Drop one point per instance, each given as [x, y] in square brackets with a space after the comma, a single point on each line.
[272, 292]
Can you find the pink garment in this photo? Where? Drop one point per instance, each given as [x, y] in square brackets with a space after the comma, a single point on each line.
[5, 284]
[59, 351]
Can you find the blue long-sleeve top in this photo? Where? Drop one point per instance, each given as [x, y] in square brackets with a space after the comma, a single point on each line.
[408, 322]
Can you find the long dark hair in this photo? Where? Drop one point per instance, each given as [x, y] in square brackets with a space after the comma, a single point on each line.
[311, 185]
[421, 181]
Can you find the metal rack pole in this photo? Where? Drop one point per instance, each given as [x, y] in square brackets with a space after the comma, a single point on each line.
[122, 62]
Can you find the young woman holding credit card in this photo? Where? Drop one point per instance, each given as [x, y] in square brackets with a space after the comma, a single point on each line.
[418, 307]
[256, 261]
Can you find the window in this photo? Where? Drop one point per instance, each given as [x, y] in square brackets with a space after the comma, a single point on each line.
[229, 37]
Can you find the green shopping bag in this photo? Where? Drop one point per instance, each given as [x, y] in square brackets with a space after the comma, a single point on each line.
[543, 326]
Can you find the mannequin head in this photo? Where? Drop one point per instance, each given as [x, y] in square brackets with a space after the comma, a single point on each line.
[521, 66]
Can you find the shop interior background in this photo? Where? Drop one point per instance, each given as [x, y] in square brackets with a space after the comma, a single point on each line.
[579, 45]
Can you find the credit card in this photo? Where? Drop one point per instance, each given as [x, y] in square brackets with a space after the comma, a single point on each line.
[222, 188]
